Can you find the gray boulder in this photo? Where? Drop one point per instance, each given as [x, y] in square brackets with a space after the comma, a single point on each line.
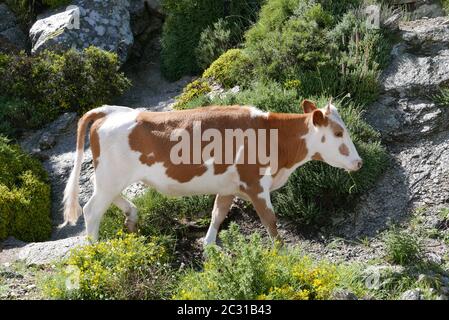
[414, 294]
[11, 36]
[104, 24]
[39, 253]
[414, 129]
[428, 10]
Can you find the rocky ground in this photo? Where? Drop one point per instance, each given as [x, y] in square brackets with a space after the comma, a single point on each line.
[413, 190]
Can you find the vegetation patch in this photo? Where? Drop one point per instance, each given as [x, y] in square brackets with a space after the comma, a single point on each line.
[248, 269]
[193, 27]
[402, 247]
[24, 196]
[160, 216]
[34, 90]
[232, 68]
[127, 267]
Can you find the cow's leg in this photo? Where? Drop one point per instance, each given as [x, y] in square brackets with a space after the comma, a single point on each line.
[264, 209]
[219, 213]
[94, 211]
[130, 211]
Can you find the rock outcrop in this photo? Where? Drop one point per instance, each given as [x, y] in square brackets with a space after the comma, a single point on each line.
[414, 128]
[12, 37]
[104, 24]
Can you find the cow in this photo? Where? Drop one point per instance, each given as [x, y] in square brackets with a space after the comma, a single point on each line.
[130, 145]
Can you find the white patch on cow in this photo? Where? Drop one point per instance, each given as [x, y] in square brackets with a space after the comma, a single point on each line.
[255, 113]
[266, 183]
[281, 178]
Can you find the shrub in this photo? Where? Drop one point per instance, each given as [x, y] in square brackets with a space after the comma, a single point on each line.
[128, 267]
[193, 90]
[230, 69]
[185, 22]
[331, 55]
[249, 269]
[25, 201]
[289, 37]
[442, 97]
[159, 215]
[340, 7]
[18, 114]
[41, 87]
[445, 4]
[402, 247]
[26, 10]
[214, 41]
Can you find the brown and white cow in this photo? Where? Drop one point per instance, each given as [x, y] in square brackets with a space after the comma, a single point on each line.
[131, 145]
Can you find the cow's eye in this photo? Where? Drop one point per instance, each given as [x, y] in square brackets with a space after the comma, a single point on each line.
[339, 134]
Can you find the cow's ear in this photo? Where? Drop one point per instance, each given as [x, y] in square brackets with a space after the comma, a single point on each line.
[308, 106]
[318, 118]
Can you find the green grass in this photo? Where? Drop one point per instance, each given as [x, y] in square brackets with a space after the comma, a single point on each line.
[442, 97]
[402, 247]
[161, 216]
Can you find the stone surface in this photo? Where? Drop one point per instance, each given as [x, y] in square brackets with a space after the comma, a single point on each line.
[39, 253]
[428, 10]
[414, 129]
[11, 36]
[105, 24]
[414, 294]
[344, 295]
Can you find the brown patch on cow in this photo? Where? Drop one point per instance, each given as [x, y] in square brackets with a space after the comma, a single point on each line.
[344, 149]
[95, 140]
[323, 139]
[81, 132]
[151, 138]
[317, 156]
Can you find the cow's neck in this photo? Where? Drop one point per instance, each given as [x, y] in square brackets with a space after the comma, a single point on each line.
[293, 132]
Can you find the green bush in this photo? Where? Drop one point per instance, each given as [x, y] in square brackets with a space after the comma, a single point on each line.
[442, 97]
[289, 38]
[445, 4]
[193, 90]
[230, 69]
[25, 200]
[402, 247]
[185, 22]
[26, 10]
[332, 55]
[160, 216]
[248, 269]
[37, 89]
[19, 114]
[128, 267]
[214, 41]
[340, 7]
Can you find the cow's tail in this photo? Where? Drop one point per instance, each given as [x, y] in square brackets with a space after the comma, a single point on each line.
[72, 208]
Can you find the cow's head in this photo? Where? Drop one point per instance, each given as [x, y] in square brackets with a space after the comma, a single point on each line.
[328, 138]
